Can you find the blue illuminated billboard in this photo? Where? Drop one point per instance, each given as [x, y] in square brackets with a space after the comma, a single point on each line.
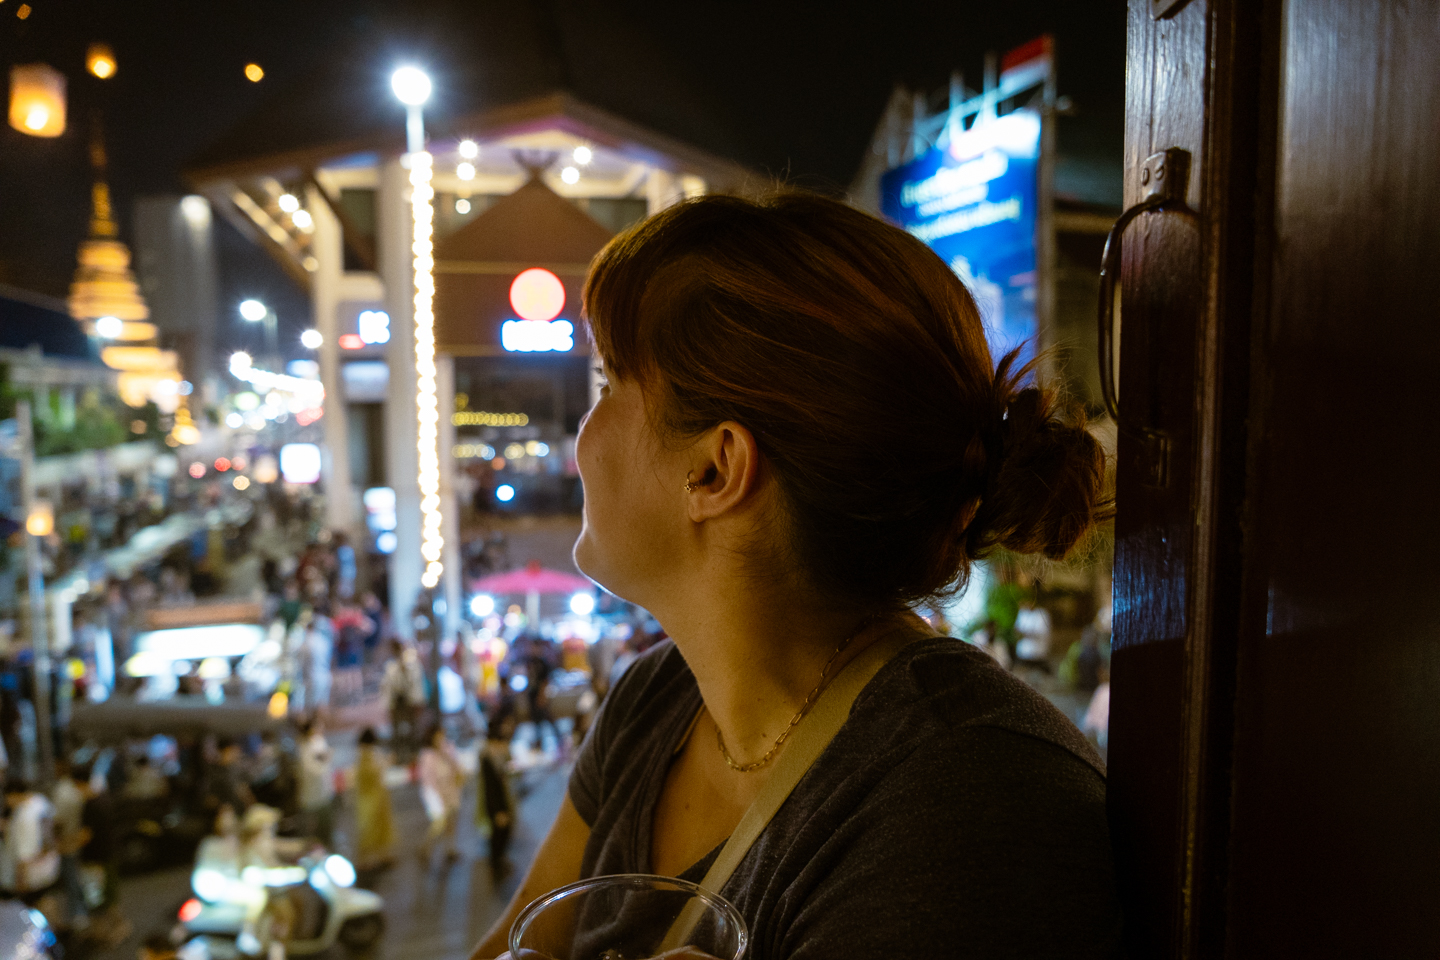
[973, 201]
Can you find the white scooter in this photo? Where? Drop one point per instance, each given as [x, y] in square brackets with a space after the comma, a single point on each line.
[309, 905]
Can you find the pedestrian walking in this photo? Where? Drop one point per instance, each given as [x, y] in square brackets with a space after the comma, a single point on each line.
[1033, 630]
[440, 782]
[68, 798]
[600, 658]
[317, 783]
[101, 855]
[375, 834]
[349, 626]
[30, 856]
[290, 604]
[539, 664]
[346, 568]
[403, 687]
[376, 617]
[495, 807]
[317, 660]
[145, 782]
[225, 782]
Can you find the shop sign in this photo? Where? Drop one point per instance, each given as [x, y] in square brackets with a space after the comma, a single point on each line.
[537, 336]
[973, 201]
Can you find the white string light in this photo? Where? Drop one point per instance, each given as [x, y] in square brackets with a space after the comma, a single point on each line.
[427, 400]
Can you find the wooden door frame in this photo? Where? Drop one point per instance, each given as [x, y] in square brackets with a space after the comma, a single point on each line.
[1233, 191]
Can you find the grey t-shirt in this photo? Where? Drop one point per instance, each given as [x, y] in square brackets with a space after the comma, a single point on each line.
[955, 814]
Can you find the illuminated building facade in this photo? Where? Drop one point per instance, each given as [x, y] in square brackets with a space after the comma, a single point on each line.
[538, 180]
[983, 178]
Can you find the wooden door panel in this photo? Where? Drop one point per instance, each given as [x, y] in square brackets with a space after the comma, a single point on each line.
[1161, 296]
[1275, 727]
[1335, 849]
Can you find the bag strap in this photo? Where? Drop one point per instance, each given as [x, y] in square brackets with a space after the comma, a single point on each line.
[801, 751]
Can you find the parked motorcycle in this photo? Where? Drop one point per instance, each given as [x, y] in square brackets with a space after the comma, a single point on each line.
[309, 905]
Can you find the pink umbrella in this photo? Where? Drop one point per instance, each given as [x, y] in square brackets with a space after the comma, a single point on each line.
[532, 581]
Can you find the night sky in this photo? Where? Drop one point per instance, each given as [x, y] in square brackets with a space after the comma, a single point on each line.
[791, 89]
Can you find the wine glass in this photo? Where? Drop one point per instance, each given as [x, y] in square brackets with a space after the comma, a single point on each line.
[628, 916]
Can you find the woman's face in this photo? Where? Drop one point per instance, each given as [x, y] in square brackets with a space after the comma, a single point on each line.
[634, 513]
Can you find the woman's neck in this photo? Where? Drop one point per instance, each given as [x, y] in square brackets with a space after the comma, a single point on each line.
[757, 658]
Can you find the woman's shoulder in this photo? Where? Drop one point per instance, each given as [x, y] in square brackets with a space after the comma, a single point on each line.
[953, 691]
[640, 703]
[953, 800]
[660, 669]
[639, 716]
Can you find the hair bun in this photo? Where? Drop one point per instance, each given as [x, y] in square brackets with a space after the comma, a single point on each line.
[1047, 490]
[1024, 415]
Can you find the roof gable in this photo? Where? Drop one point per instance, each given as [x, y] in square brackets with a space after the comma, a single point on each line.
[475, 266]
[532, 224]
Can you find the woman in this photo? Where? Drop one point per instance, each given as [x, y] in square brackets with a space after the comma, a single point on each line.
[495, 802]
[375, 836]
[801, 433]
[440, 782]
[317, 782]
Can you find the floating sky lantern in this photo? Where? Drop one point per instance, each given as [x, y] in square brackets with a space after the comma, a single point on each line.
[37, 100]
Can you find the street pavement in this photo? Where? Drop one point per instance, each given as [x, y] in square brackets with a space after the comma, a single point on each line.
[434, 911]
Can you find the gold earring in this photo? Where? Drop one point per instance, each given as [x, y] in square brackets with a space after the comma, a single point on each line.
[690, 485]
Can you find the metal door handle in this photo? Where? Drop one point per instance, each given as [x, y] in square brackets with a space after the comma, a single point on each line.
[1166, 178]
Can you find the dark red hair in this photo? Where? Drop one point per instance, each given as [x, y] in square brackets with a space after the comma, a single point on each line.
[858, 360]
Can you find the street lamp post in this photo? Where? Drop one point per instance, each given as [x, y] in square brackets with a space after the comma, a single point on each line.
[412, 88]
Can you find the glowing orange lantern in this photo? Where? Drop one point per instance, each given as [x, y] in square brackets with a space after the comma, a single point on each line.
[100, 61]
[37, 100]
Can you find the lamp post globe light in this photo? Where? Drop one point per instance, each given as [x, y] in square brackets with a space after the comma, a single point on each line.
[412, 88]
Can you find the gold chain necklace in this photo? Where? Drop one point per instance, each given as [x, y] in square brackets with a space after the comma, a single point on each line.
[799, 714]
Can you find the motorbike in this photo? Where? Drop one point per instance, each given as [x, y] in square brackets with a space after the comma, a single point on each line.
[309, 905]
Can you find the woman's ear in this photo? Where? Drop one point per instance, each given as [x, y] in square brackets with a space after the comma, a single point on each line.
[725, 472]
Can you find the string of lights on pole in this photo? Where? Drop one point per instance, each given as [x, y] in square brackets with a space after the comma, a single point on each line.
[412, 88]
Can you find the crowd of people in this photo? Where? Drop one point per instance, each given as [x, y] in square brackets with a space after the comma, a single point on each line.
[134, 802]
[59, 852]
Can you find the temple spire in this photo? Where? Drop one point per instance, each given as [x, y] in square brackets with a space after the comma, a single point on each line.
[102, 220]
[105, 297]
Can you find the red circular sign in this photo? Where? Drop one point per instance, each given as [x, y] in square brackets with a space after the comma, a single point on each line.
[537, 294]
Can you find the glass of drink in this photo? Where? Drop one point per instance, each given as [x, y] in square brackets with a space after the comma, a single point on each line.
[628, 916]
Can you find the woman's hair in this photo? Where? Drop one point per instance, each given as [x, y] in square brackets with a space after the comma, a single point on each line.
[858, 360]
[368, 737]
